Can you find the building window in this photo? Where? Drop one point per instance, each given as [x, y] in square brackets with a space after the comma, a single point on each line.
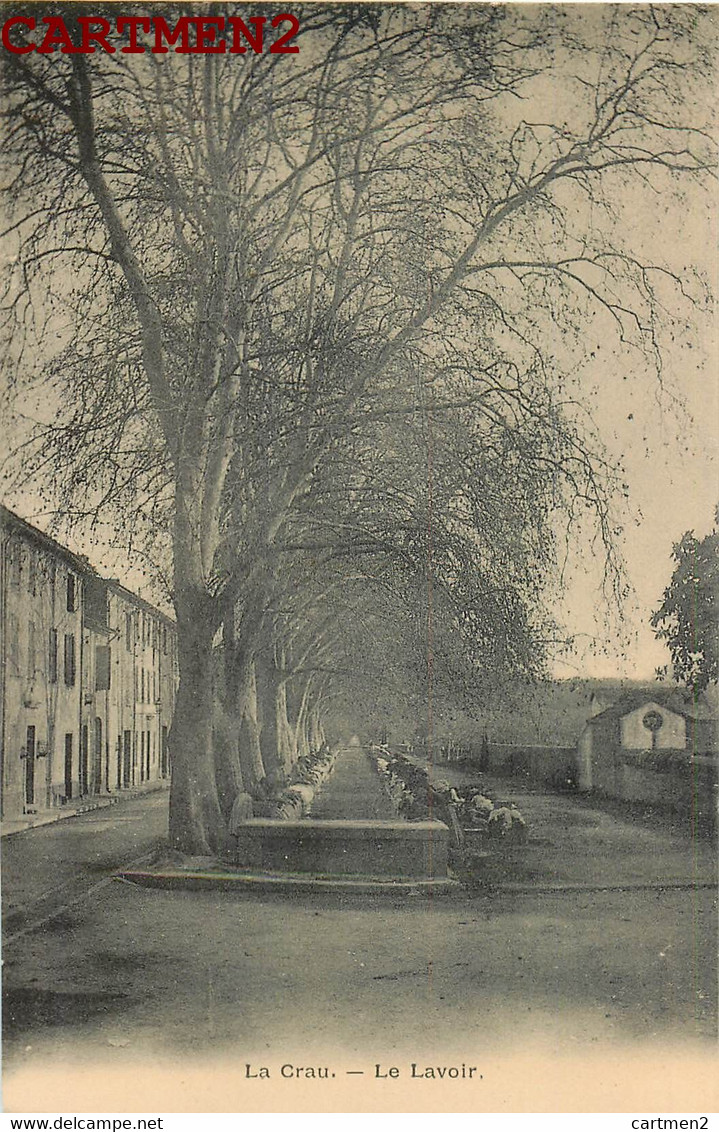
[83, 767]
[71, 593]
[29, 755]
[15, 562]
[102, 668]
[70, 659]
[164, 639]
[68, 767]
[164, 753]
[52, 657]
[13, 641]
[31, 649]
[127, 761]
[32, 572]
[128, 632]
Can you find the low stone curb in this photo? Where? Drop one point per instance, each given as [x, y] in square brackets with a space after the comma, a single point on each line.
[288, 882]
[526, 888]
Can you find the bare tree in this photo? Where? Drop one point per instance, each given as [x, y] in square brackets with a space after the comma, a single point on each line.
[244, 263]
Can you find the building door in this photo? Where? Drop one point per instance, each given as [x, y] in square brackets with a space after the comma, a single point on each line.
[163, 753]
[97, 758]
[83, 760]
[68, 766]
[127, 758]
[147, 755]
[30, 767]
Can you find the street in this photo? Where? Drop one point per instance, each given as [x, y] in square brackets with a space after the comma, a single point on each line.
[47, 868]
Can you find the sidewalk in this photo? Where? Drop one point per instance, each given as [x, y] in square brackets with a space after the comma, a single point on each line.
[353, 792]
[84, 806]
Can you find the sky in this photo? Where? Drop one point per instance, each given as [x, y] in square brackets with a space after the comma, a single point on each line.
[666, 435]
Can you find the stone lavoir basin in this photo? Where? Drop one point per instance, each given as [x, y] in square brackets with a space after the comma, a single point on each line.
[352, 833]
[344, 848]
[351, 842]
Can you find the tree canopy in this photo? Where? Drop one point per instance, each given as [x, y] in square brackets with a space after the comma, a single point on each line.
[330, 307]
[688, 618]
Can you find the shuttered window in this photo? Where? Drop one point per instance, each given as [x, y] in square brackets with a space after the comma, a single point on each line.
[31, 649]
[102, 668]
[69, 659]
[52, 656]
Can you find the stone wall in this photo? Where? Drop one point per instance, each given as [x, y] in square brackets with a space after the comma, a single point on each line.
[554, 766]
[672, 780]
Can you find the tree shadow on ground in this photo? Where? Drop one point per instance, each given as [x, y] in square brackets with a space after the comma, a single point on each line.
[27, 1009]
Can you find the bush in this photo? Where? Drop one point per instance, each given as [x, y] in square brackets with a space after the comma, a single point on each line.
[415, 797]
[506, 823]
[309, 774]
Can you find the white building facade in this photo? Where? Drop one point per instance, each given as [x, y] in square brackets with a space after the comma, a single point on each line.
[88, 679]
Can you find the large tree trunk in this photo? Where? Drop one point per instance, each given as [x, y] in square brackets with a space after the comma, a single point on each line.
[301, 725]
[197, 824]
[315, 730]
[253, 769]
[241, 645]
[228, 769]
[301, 738]
[276, 738]
[226, 730]
[206, 775]
[285, 732]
